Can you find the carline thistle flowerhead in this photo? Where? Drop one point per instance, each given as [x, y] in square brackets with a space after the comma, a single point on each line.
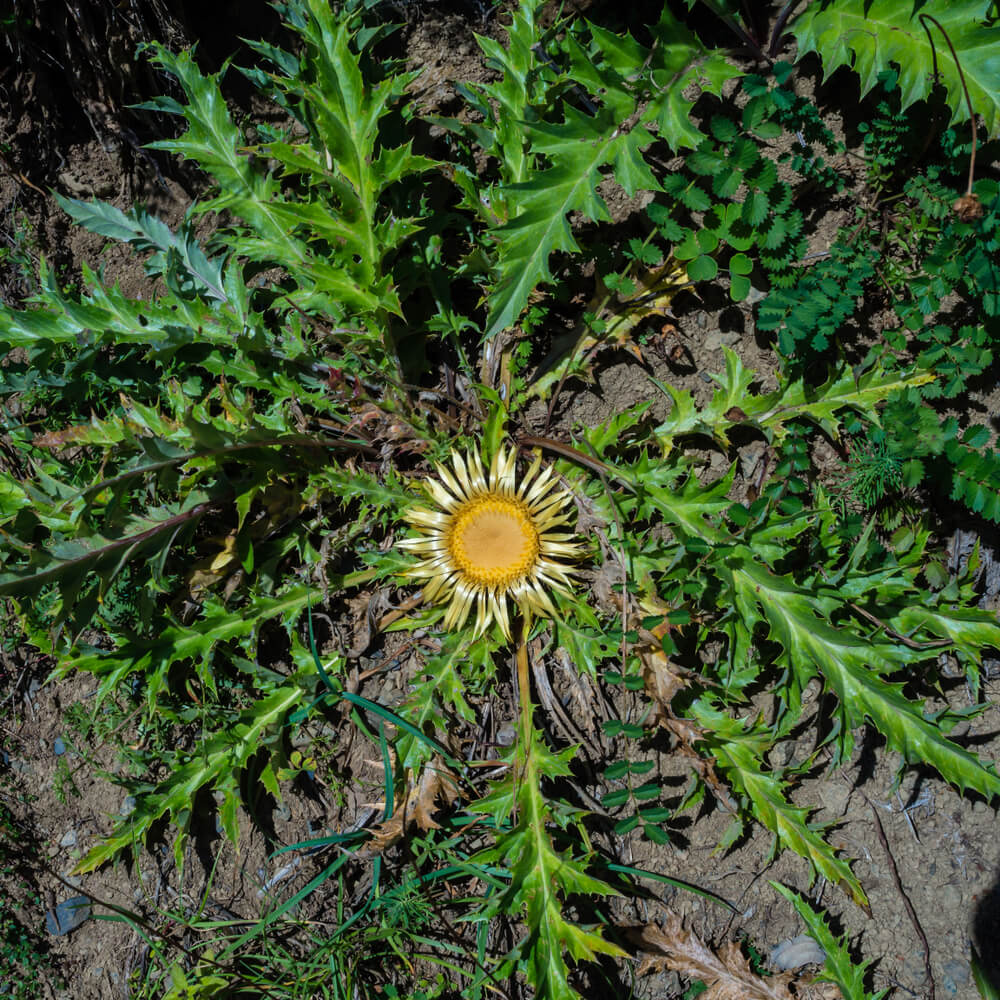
[489, 539]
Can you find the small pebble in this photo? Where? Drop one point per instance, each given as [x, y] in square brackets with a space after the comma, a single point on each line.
[58, 746]
[715, 340]
[914, 972]
[834, 796]
[68, 839]
[749, 458]
[128, 805]
[950, 897]
[506, 735]
[34, 686]
[956, 974]
[795, 952]
[68, 915]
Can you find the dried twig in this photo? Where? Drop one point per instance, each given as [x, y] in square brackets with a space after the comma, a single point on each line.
[892, 633]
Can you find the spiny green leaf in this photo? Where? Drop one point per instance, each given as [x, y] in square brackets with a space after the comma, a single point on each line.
[586, 640]
[222, 754]
[582, 146]
[173, 253]
[542, 876]
[971, 630]
[838, 967]
[195, 643]
[869, 35]
[440, 694]
[739, 751]
[734, 404]
[855, 669]
[67, 562]
[679, 59]
[539, 225]
[214, 142]
[693, 508]
[106, 315]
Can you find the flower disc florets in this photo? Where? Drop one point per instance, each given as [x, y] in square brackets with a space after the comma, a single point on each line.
[489, 540]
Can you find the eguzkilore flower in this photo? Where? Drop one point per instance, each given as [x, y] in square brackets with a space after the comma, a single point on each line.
[489, 540]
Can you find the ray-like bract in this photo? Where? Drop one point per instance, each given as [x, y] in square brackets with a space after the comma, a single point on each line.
[489, 540]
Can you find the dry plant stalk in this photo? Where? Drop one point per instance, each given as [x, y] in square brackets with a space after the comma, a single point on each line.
[662, 681]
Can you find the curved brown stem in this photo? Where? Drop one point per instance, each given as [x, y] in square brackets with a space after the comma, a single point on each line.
[965, 89]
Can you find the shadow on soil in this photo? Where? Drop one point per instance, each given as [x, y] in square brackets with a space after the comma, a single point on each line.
[986, 934]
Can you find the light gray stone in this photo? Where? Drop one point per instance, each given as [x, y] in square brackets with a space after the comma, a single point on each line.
[67, 916]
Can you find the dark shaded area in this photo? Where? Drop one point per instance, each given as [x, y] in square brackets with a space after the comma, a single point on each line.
[986, 934]
[24, 951]
[72, 69]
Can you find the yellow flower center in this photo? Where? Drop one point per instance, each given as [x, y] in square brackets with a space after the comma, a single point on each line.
[492, 540]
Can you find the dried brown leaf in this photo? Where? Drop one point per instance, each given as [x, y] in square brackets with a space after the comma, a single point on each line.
[655, 291]
[435, 783]
[727, 974]
[662, 683]
[819, 991]
[707, 774]
[60, 439]
[968, 208]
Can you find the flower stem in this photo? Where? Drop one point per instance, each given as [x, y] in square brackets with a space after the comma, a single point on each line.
[523, 681]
